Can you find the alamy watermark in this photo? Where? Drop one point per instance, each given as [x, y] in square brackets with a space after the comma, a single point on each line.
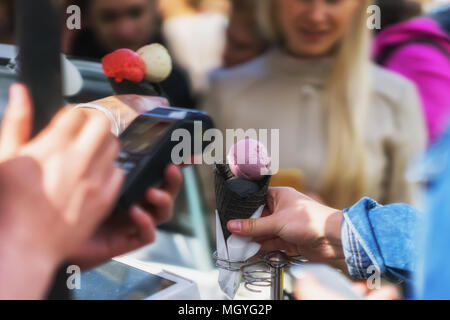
[73, 21]
[74, 277]
[374, 280]
[374, 19]
[219, 143]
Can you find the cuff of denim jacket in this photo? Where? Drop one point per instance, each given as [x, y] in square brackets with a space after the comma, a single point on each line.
[359, 263]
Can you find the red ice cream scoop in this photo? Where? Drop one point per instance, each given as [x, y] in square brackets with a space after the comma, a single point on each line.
[124, 64]
[138, 72]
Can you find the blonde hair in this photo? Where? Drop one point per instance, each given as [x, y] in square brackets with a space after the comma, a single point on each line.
[347, 97]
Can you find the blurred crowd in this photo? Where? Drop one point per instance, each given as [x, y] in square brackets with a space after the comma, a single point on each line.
[341, 99]
[355, 107]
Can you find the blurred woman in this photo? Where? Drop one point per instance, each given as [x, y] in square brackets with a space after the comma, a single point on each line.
[419, 50]
[350, 126]
[244, 39]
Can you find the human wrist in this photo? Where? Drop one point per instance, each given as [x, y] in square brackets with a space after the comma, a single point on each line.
[333, 232]
[25, 273]
[98, 109]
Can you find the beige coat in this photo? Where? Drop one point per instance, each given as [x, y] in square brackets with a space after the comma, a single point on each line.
[281, 92]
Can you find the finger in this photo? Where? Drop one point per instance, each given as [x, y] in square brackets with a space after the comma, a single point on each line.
[66, 125]
[102, 161]
[267, 211]
[145, 103]
[99, 147]
[110, 192]
[157, 101]
[276, 244]
[261, 227]
[160, 204]
[270, 202]
[173, 180]
[17, 121]
[138, 232]
[145, 225]
[264, 238]
[94, 133]
[135, 232]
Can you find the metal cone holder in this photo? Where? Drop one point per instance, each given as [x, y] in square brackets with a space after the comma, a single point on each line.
[264, 270]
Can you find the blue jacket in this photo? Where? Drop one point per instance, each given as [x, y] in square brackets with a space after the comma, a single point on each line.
[432, 279]
[383, 237]
[398, 241]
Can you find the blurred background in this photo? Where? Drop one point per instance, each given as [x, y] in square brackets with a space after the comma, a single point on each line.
[352, 119]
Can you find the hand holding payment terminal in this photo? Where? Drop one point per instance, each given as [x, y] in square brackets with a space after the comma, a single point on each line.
[147, 149]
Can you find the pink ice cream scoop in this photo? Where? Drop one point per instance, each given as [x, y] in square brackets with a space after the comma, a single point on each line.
[248, 159]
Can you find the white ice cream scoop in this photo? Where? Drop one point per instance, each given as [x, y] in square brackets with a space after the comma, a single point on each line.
[158, 63]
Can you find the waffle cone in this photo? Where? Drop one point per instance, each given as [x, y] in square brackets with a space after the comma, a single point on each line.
[230, 205]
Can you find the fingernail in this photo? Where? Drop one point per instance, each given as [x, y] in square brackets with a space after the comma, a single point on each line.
[236, 226]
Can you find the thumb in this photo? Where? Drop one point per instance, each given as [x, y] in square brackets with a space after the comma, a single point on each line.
[261, 227]
[17, 121]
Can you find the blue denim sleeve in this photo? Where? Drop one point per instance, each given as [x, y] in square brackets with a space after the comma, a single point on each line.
[433, 274]
[380, 238]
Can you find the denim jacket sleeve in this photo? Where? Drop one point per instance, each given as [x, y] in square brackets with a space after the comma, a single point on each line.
[380, 239]
[432, 279]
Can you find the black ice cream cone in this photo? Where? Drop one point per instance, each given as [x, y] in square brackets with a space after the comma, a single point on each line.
[237, 198]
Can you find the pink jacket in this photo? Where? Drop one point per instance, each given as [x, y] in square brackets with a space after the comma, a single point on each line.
[426, 65]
